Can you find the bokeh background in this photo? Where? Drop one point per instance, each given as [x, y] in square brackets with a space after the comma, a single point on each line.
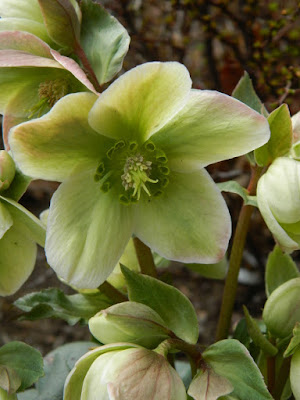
[217, 40]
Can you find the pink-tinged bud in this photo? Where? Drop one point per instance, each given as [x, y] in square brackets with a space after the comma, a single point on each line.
[132, 373]
[7, 170]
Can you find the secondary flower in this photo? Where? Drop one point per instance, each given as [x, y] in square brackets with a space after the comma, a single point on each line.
[123, 371]
[33, 77]
[132, 162]
[278, 200]
[19, 231]
[31, 16]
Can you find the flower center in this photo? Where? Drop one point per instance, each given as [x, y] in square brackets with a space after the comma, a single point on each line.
[49, 93]
[133, 170]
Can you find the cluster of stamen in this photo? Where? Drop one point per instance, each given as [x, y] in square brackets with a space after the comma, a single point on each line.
[133, 170]
[49, 93]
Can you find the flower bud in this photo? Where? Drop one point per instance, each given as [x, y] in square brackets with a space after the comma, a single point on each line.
[121, 372]
[129, 322]
[282, 309]
[278, 200]
[7, 170]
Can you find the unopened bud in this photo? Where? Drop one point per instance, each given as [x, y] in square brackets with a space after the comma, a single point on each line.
[7, 170]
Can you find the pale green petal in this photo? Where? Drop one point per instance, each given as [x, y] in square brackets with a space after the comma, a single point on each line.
[24, 41]
[141, 101]
[282, 189]
[189, 222]
[51, 146]
[6, 220]
[87, 231]
[26, 25]
[31, 226]
[211, 127]
[21, 9]
[17, 259]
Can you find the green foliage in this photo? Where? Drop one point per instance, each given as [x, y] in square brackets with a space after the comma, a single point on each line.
[280, 268]
[295, 341]
[281, 137]
[53, 303]
[24, 360]
[104, 40]
[212, 271]
[231, 360]
[173, 307]
[235, 187]
[58, 364]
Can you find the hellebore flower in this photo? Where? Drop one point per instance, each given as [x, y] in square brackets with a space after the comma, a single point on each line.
[278, 199]
[122, 371]
[19, 233]
[33, 78]
[131, 162]
[30, 16]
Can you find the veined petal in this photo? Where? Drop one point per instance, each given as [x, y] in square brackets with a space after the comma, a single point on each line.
[24, 41]
[211, 127]
[26, 25]
[141, 101]
[6, 220]
[52, 146]
[190, 222]
[21, 9]
[87, 231]
[18, 254]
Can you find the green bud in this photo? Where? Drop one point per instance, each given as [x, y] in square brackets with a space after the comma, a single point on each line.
[119, 372]
[7, 170]
[129, 322]
[282, 309]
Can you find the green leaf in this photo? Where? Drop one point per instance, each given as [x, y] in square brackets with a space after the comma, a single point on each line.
[24, 360]
[258, 338]
[17, 187]
[212, 271]
[58, 364]
[244, 91]
[61, 21]
[174, 308]
[294, 374]
[241, 333]
[230, 359]
[9, 379]
[6, 220]
[295, 341]
[184, 370]
[280, 269]
[281, 137]
[282, 309]
[104, 40]
[53, 303]
[235, 187]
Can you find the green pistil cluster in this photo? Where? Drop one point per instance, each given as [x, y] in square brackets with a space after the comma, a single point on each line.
[49, 93]
[133, 170]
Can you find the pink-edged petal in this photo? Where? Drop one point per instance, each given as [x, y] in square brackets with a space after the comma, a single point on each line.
[16, 58]
[141, 101]
[24, 41]
[74, 68]
[189, 222]
[50, 147]
[87, 231]
[211, 127]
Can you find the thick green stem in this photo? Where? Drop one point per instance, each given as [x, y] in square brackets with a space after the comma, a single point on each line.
[145, 258]
[111, 292]
[87, 66]
[238, 245]
[281, 378]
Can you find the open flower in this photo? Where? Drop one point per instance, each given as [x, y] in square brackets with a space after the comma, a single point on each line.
[19, 231]
[131, 162]
[278, 200]
[123, 371]
[33, 77]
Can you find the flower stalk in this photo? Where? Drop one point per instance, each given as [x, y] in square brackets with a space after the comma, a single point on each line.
[236, 255]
